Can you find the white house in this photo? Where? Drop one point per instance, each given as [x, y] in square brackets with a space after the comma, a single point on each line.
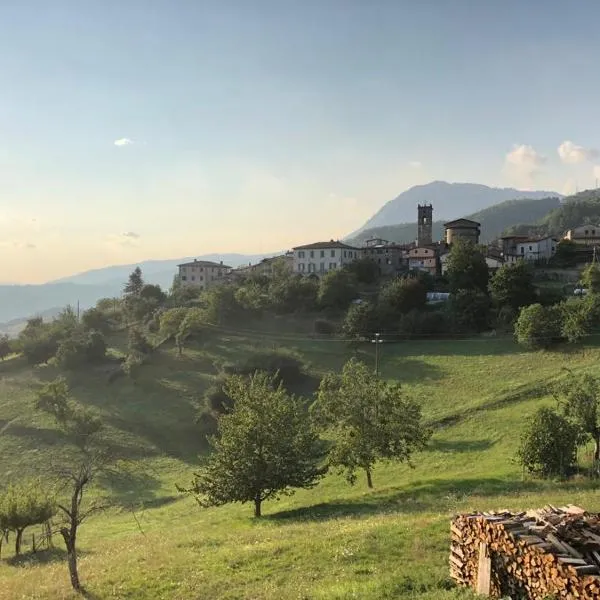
[202, 273]
[586, 235]
[321, 257]
[536, 249]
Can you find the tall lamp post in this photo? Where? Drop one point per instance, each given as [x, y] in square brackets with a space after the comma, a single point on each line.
[377, 341]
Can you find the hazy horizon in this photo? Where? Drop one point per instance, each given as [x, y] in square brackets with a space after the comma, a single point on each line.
[135, 131]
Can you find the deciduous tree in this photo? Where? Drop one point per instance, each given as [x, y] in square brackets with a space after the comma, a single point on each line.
[466, 267]
[368, 419]
[265, 447]
[512, 285]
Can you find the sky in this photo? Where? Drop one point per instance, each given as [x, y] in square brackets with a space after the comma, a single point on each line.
[170, 128]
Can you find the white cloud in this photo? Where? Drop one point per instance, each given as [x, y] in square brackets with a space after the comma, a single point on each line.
[123, 142]
[415, 164]
[522, 163]
[127, 239]
[571, 153]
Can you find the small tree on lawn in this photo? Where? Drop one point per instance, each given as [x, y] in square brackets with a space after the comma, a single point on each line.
[549, 444]
[22, 506]
[265, 447]
[368, 419]
[80, 470]
[170, 321]
[579, 398]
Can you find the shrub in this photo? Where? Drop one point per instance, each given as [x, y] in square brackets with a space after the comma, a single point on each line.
[538, 326]
[289, 367]
[548, 444]
[361, 320]
[418, 323]
[400, 296]
[138, 342]
[470, 310]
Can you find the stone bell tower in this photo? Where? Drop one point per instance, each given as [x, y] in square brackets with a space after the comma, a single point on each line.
[424, 225]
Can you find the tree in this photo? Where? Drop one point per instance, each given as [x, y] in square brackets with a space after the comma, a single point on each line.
[400, 296]
[364, 270]
[538, 326]
[5, 348]
[361, 320]
[138, 342]
[512, 285]
[81, 348]
[566, 254]
[466, 267]
[37, 341]
[470, 310]
[591, 278]
[265, 447]
[24, 505]
[134, 285]
[192, 325]
[576, 318]
[548, 444]
[221, 304]
[579, 398]
[82, 428]
[94, 319]
[368, 419]
[337, 289]
[171, 320]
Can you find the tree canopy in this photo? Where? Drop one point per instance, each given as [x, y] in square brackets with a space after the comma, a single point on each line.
[368, 420]
[466, 267]
[265, 446]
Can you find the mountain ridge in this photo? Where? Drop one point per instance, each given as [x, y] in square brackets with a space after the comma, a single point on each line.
[448, 200]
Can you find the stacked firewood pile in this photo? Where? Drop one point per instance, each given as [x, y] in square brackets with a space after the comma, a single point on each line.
[551, 552]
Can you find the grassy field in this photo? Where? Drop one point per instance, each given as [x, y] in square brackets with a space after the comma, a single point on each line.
[332, 542]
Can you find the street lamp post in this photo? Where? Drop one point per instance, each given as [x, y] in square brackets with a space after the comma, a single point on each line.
[377, 341]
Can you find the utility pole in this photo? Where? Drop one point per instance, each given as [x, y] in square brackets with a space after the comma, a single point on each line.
[377, 341]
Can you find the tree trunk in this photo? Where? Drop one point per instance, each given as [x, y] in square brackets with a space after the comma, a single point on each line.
[18, 542]
[369, 479]
[257, 503]
[597, 449]
[69, 537]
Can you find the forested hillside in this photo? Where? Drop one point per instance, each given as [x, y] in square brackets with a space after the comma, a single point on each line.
[576, 210]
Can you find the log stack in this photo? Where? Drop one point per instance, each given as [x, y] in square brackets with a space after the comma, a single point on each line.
[551, 552]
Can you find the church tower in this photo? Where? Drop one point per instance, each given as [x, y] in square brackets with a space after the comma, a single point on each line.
[424, 225]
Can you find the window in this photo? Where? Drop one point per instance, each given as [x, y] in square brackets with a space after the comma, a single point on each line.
[332, 266]
[193, 278]
[201, 278]
[322, 267]
[322, 253]
[183, 278]
[530, 248]
[312, 253]
[301, 267]
[586, 232]
[333, 254]
[344, 254]
[593, 232]
[311, 267]
[301, 254]
[201, 269]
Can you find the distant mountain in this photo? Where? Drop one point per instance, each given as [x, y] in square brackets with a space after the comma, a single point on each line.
[494, 220]
[22, 301]
[448, 199]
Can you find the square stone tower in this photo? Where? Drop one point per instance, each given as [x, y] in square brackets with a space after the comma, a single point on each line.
[424, 225]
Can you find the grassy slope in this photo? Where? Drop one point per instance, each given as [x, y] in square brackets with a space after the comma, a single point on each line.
[334, 541]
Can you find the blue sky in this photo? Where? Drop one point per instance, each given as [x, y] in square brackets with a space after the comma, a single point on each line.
[259, 124]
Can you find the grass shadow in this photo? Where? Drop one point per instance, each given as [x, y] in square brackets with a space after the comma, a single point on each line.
[41, 557]
[436, 445]
[432, 496]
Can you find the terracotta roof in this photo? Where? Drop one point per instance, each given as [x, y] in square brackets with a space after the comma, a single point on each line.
[326, 246]
[204, 263]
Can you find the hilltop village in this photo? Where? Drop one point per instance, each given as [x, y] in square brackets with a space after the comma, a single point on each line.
[424, 255]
